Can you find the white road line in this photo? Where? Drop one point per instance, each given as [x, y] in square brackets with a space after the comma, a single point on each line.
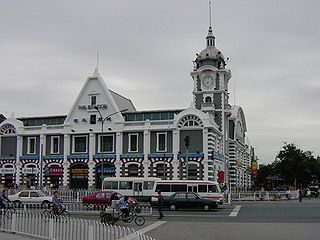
[142, 231]
[150, 227]
[235, 211]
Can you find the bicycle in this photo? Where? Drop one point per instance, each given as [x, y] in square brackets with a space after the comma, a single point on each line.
[111, 216]
[61, 215]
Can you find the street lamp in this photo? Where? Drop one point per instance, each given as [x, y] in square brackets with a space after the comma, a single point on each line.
[103, 119]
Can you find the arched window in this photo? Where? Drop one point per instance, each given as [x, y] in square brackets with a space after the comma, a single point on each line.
[7, 129]
[133, 170]
[208, 99]
[190, 121]
[192, 171]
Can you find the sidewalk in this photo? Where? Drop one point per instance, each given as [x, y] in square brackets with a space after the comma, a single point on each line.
[13, 236]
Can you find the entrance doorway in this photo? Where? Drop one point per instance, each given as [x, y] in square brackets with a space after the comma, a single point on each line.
[79, 176]
[109, 170]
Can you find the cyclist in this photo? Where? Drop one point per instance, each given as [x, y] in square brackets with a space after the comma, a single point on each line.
[58, 207]
[123, 206]
[4, 200]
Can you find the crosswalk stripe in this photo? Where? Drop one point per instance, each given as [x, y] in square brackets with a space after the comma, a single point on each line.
[235, 211]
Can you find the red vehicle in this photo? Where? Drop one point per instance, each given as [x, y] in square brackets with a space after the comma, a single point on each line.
[104, 198]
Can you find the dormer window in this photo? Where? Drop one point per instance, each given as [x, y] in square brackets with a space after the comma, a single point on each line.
[93, 100]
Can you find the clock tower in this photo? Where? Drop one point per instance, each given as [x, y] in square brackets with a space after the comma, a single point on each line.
[211, 78]
[210, 95]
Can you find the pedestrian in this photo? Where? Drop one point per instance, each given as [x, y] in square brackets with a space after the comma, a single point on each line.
[160, 205]
[300, 195]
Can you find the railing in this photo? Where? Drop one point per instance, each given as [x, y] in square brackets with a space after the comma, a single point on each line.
[265, 195]
[32, 224]
[143, 209]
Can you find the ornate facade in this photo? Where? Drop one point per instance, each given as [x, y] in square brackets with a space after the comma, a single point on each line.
[104, 135]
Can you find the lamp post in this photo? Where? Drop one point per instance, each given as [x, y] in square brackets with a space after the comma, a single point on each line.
[103, 119]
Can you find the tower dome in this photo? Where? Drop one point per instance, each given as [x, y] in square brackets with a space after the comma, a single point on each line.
[210, 55]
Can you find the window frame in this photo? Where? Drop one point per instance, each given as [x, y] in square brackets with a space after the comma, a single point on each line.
[74, 143]
[91, 100]
[129, 142]
[34, 147]
[166, 141]
[99, 143]
[52, 145]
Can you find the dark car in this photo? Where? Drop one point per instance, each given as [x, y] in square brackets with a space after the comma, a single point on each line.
[103, 198]
[188, 200]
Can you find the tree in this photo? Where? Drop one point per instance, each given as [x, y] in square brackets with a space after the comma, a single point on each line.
[293, 166]
[296, 166]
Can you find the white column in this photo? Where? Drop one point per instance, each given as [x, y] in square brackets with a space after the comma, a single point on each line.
[66, 152]
[18, 165]
[175, 150]
[146, 151]
[205, 170]
[175, 164]
[91, 152]
[41, 153]
[118, 163]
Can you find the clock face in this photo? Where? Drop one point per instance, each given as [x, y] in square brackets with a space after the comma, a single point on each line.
[207, 82]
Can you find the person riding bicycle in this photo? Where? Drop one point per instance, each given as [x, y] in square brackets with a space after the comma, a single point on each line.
[57, 206]
[4, 200]
[123, 206]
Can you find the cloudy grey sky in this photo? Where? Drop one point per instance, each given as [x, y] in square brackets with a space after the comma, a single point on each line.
[48, 49]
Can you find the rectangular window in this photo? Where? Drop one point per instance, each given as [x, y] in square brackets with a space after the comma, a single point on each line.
[212, 188]
[31, 145]
[93, 100]
[80, 144]
[202, 188]
[125, 185]
[161, 142]
[163, 187]
[93, 119]
[106, 145]
[133, 142]
[110, 185]
[179, 188]
[55, 145]
[148, 185]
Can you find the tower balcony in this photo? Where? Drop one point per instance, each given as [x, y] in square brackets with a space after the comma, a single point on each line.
[207, 106]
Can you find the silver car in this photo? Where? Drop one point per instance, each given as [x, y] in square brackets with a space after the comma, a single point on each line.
[30, 197]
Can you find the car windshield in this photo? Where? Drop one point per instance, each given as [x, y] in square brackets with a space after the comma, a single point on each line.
[41, 194]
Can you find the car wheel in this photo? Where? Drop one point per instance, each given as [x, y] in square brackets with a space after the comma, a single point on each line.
[45, 204]
[173, 207]
[206, 207]
[17, 204]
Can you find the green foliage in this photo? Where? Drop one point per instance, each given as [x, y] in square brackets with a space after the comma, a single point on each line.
[293, 165]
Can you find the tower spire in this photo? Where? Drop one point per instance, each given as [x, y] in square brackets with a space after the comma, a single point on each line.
[210, 37]
[210, 20]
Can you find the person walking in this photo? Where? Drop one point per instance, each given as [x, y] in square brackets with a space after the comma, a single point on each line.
[160, 205]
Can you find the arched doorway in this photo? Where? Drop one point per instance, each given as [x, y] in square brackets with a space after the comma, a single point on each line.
[30, 173]
[109, 170]
[8, 171]
[79, 176]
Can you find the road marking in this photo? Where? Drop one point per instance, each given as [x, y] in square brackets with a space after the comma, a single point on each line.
[150, 227]
[235, 211]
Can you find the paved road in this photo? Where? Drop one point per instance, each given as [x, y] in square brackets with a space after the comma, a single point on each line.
[287, 220]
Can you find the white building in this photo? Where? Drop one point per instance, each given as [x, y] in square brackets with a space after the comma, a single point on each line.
[72, 151]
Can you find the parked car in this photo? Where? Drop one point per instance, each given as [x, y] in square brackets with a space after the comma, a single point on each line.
[188, 200]
[30, 196]
[103, 198]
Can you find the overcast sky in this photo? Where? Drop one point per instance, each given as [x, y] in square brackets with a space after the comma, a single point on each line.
[48, 49]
